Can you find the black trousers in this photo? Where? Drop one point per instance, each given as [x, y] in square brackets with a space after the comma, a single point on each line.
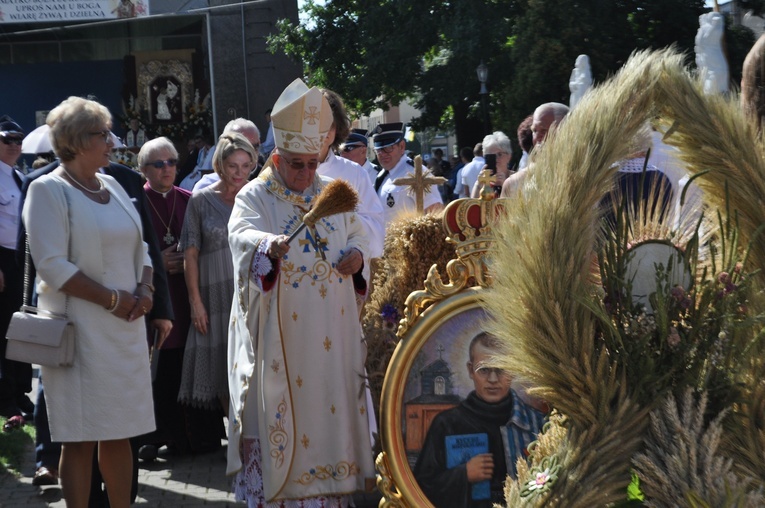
[15, 377]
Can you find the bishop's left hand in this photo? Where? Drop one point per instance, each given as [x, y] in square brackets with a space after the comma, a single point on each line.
[351, 262]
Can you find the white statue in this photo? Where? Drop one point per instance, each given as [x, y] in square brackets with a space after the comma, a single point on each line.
[710, 59]
[163, 112]
[581, 79]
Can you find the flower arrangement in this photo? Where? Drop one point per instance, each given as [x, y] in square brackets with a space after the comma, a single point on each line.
[199, 116]
[662, 389]
[125, 157]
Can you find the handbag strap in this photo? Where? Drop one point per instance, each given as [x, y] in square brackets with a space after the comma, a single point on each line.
[28, 263]
[68, 240]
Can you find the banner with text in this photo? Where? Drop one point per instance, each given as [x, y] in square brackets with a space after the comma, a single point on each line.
[52, 11]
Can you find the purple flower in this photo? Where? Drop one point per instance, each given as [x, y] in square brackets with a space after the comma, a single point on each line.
[723, 278]
[678, 293]
[390, 314]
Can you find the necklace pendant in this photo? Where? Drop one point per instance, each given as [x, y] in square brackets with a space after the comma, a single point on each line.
[169, 238]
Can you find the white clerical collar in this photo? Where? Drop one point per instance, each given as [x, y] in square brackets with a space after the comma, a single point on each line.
[164, 194]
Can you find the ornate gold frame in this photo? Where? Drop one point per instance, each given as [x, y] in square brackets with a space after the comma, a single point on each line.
[467, 223]
[177, 69]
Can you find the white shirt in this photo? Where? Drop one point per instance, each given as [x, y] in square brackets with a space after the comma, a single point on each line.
[204, 161]
[268, 145]
[10, 201]
[370, 210]
[471, 171]
[396, 199]
[206, 181]
[371, 170]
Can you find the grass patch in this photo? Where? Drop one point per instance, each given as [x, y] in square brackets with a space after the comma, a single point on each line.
[13, 446]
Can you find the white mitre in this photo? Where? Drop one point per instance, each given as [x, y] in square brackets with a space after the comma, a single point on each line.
[301, 118]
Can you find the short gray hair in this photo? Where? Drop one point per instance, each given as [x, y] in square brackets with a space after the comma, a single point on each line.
[497, 139]
[558, 110]
[241, 125]
[153, 146]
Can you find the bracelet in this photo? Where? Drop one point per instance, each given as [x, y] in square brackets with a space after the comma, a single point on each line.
[148, 285]
[115, 301]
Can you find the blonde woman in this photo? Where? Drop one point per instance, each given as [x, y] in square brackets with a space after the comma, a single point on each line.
[210, 275]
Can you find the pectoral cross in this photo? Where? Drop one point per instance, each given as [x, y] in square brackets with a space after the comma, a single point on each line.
[419, 183]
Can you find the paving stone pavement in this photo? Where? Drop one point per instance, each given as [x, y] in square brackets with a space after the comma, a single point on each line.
[170, 481]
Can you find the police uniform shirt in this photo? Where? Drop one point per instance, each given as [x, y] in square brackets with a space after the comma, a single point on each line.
[397, 199]
[10, 201]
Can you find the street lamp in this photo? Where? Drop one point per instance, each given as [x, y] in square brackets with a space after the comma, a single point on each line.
[483, 75]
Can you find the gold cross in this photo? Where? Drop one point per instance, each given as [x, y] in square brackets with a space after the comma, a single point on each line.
[311, 115]
[485, 178]
[419, 183]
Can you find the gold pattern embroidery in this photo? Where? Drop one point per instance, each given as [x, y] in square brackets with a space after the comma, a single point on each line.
[342, 311]
[353, 218]
[323, 291]
[277, 436]
[305, 441]
[321, 271]
[362, 410]
[340, 471]
[312, 115]
[275, 366]
[332, 409]
[294, 316]
[299, 382]
[327, 343]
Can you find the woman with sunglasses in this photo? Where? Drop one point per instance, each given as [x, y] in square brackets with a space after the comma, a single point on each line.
[210, 278]
[85, 237]
[177, 426]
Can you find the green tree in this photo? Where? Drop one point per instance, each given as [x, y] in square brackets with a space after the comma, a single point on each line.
[380, 52]
[377, 53]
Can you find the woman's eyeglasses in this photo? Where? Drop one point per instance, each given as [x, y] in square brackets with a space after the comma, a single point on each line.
[159, 164]
[105, 135]
[300, 165]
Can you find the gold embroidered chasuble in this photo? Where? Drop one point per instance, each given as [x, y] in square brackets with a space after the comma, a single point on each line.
[296, 356]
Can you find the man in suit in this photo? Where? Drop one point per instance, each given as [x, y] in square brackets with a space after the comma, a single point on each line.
[160, 318]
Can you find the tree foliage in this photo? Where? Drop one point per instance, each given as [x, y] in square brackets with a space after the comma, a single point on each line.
[377, 53]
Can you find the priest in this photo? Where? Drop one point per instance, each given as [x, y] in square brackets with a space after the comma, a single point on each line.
[298, 428]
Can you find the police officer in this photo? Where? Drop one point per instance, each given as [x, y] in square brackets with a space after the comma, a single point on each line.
[390, 147]
[355, 149]
[15, 377]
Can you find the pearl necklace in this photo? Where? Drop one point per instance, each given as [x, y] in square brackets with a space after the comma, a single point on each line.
[81, 186]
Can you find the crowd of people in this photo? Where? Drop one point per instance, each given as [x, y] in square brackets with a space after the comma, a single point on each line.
[193, 306]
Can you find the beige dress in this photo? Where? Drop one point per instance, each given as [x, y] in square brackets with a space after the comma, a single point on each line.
[106, 394]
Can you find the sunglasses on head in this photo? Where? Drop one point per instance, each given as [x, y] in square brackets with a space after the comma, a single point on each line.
[159, 164]
[12, 141]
